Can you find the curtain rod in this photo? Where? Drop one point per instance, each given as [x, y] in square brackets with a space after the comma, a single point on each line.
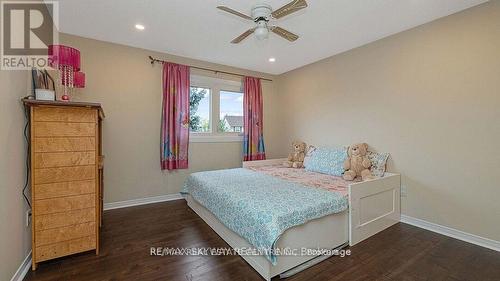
[153, 61]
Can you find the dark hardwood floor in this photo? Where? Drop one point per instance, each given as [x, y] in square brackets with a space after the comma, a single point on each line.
[402, 252]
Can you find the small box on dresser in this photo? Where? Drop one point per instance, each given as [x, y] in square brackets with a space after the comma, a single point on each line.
[66, 190]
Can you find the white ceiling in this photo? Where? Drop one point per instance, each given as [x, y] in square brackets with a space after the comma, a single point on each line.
[196, 29]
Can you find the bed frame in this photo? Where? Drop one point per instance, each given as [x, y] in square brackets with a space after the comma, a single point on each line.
[374, 205]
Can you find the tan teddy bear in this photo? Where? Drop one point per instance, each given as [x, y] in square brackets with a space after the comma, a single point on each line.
[357, 163]
[296, 158]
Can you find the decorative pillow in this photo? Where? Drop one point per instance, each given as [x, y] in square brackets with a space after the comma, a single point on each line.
[379, 161]
[327, 161]
[310, 151]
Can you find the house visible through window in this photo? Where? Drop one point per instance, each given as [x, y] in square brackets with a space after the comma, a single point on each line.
[231, 112]
[216, 109]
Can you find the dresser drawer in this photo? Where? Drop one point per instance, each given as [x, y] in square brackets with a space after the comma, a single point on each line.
[63, 129]
[61, 144]
[65, 248]
[64, 114]
[62, 174]
[61, 189]
[61, 159]
[63, 204]
[56, 235]
[49, 221]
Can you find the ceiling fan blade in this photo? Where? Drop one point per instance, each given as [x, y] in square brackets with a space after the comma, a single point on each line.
[231, 11]
[284, 33]
[289, 8]
[243, 36]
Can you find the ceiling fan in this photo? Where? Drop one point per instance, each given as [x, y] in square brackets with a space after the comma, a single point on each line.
[262, 14]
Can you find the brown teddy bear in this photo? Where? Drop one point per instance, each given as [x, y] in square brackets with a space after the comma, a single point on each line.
[296, 158]
[357, 163]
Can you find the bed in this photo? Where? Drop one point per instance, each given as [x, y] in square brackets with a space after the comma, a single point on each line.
[272, 208]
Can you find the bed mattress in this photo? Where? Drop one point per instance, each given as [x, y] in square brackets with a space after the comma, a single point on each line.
[260, 207]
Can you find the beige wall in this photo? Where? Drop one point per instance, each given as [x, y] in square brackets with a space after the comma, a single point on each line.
[15, 237]
[129, 88]
[431, 97]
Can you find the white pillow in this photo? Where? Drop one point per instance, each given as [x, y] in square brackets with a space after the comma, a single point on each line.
[379, 161]
[309, 153]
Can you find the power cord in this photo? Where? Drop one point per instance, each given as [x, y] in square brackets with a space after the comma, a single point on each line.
[28, 166]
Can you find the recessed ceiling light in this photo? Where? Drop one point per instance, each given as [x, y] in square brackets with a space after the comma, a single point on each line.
[139, 26]
[272, 59]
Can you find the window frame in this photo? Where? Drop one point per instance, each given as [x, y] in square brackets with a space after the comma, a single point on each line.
[216, 85]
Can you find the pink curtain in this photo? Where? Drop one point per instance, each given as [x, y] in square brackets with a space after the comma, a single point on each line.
[253, 141]
[175, 117]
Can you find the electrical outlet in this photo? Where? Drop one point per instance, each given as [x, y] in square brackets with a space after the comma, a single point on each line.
[28, 218]
[404, 190]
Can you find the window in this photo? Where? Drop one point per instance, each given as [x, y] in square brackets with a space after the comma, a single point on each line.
[231, 112]
[216, 109]
[199, 109]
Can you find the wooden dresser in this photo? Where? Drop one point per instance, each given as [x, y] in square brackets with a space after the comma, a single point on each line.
[66, 177]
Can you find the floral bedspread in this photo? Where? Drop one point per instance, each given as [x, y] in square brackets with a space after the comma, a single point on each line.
[312, 179]
[260, 207]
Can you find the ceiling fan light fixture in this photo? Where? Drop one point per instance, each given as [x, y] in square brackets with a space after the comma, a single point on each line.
[261, 32]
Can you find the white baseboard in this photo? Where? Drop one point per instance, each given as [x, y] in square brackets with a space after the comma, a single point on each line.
[23, 269]
[451, 232]
[142, 201]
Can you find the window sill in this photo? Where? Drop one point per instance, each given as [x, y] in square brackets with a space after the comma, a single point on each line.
[215, 138]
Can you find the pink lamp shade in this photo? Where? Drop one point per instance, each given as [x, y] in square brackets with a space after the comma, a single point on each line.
[79, 79]
[67, 61]
[64, 56]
